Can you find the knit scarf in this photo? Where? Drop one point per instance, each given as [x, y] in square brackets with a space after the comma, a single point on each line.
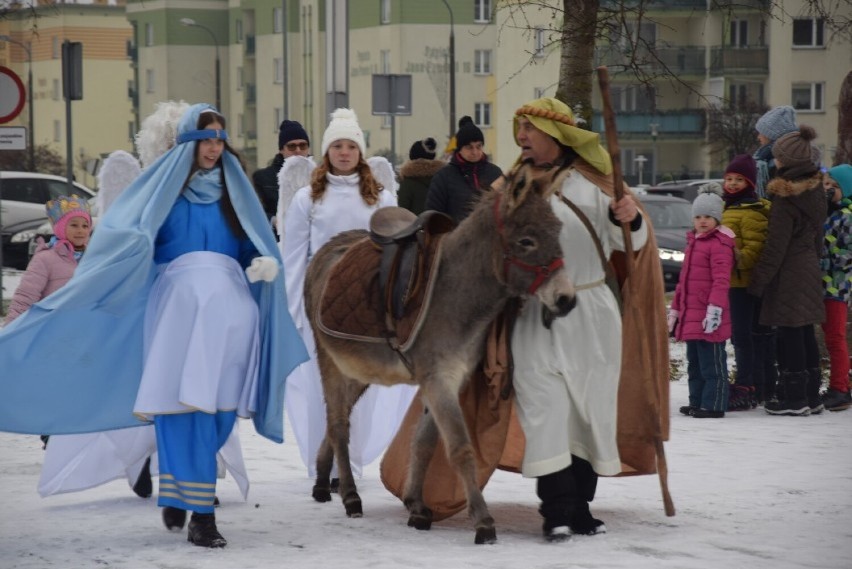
[205, 186]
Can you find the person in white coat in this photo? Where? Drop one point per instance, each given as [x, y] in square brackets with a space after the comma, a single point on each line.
[566, 375]
[342, 195]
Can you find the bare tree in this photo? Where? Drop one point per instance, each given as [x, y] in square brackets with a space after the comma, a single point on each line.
[843, 154]
[731, 129]
[46, 160]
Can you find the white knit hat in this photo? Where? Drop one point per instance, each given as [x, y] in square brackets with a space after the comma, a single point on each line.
[344, 126]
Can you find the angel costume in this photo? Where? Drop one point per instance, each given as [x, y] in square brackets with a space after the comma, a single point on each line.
[376, 416]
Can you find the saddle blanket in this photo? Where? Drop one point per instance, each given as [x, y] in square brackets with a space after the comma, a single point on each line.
[351, 307]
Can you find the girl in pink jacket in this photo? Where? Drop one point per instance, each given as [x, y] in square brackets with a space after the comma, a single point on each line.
[699, 311]
[53, 264]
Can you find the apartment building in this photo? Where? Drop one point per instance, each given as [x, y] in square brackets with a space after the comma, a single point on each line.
[753, 51]
[103, 120]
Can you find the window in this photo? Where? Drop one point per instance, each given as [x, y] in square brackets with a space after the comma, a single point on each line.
[149, 34]
[279, 118]
[56, 51]
[386, 11]
[739, 33]
[539, 92]
[277, 20]
[240, 79]
[57, 131]
[482, 62]
[807, 97]
[241, 126]
[238, 25]
[131, 131]
[149, 80]
[482, 11]
[632, 99]
[278, 64]
[539, 42]
[808, 32]
[131, 91]
[56, 90]
[482, 114]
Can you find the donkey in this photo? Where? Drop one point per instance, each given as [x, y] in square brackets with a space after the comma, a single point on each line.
[508, 247]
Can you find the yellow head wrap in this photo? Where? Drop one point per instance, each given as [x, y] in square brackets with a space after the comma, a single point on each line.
[556, 119]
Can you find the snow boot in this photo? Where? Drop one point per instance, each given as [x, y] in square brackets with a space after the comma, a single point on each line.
[814, 385]
[688, 410]
[791, 397]
[174, 518]
[835, 400]
[203, 533]
[740, 398]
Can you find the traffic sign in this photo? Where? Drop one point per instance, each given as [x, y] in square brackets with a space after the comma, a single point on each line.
[12, 94]
[13, 138]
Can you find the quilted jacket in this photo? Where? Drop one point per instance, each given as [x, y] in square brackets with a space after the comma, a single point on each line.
[49, 269]
[836, 261]
[788, 275]
[704, 279]
[749, 220]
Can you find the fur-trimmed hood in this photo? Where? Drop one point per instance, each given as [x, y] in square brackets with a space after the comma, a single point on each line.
[420, 168]
[788, 188]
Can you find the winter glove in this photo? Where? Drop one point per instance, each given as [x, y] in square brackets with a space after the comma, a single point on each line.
[712, 320]
[262, 269]
[672, 320]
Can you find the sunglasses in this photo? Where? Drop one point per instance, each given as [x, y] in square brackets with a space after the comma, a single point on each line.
[297, 145]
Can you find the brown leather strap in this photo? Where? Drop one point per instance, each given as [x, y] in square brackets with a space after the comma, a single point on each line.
[588, 224]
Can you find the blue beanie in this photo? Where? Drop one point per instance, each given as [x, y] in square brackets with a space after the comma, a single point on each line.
[291, 130]
[777, 122]
[842, 174]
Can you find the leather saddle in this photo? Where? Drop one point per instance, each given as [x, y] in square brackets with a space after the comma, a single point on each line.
[404, 239]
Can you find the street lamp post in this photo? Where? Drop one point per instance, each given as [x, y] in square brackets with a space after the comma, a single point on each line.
[29, 95]
[452, 72]
[189, 22]
[640, 163]
[654, 132]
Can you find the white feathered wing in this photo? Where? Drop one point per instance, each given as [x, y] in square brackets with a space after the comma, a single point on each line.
[383, 173]
[295, 173]
[117, 172]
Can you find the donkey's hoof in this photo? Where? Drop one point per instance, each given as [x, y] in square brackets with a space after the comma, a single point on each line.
[321, 493]
[353, 509]
[485, 536]
[421, 520]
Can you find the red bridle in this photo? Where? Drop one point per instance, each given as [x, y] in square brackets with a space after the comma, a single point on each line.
[542, 272]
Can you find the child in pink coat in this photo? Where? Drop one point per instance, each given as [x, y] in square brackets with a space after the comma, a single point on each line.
[699, 311]
[53, 264]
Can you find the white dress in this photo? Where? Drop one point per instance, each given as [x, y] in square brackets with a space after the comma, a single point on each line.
[566, 378]
[378, 414]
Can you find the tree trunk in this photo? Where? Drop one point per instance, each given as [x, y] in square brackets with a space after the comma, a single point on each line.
[843, 154]
[577, 56]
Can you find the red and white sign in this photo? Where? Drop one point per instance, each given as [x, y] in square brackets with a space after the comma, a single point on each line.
[12, 94]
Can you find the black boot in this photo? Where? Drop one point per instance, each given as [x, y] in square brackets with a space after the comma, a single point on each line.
[791, 398]
[555, 490]
[585, 486]
[814, 385]
[202, 531]
[174, 518]
[144, 487]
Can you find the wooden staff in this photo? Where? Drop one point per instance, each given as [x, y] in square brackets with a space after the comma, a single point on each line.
[618, 186]
[615, 155]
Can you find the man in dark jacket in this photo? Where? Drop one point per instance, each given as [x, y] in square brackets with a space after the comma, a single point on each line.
[455, 187]
[292, 141]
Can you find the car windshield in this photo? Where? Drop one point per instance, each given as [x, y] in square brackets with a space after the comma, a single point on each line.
[669, 215]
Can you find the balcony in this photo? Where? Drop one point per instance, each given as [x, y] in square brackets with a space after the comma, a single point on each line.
[731, 60]
[251, 93]
[682, 60]
[691, 5]
[680, 124]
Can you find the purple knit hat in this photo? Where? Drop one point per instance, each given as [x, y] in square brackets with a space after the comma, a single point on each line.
[745, 166]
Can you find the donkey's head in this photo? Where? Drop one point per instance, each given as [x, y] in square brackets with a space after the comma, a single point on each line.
[531, 259]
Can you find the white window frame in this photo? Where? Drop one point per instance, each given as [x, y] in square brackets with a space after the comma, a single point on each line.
[538, 42]
[385, 15]
[816, 96]
[482, 61]
[150, 79]
[57, 130]
[277, 20]
[149, 34]
[482, 114]
[738, 29]
[278, 70]
[238, 29]
[481, 11]
[817, 34]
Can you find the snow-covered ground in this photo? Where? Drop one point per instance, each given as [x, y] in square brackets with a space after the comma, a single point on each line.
[750, 491]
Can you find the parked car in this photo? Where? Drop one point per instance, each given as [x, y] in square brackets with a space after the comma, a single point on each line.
[686, 189]
[672, 218]
[22, 210]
